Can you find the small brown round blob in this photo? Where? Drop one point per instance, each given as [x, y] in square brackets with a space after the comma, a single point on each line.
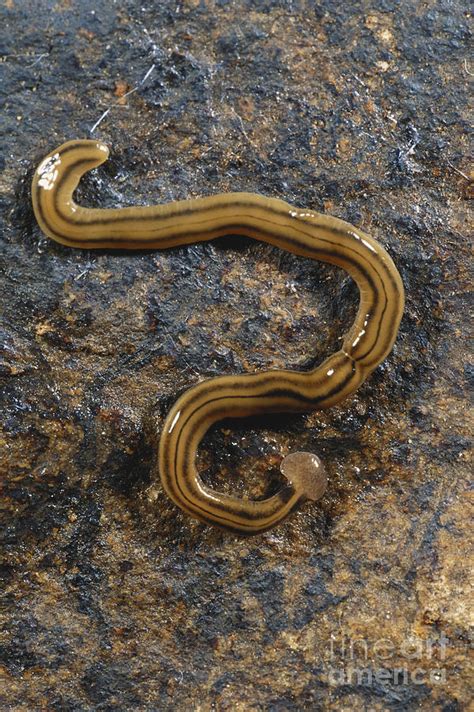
[306, 473]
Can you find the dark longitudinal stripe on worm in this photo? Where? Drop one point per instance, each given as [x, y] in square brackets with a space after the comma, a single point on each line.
[235, 227]
[239, 227]
[191, 211]
[183, 212]
[305, 233]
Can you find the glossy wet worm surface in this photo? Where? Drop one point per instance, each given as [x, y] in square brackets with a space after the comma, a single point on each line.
[303, 232]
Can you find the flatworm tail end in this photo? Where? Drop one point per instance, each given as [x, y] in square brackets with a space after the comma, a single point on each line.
[54, 183]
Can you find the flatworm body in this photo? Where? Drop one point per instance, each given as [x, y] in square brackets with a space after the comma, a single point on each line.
[302, 232]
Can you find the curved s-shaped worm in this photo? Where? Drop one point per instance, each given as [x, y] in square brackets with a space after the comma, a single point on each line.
[302, 232]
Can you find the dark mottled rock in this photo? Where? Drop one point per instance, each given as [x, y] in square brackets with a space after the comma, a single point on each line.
[111, 597]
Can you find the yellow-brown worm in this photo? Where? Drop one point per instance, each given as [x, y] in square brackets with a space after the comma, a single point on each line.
[302, 232]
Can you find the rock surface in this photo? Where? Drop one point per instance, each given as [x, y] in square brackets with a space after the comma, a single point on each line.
[112, 598]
